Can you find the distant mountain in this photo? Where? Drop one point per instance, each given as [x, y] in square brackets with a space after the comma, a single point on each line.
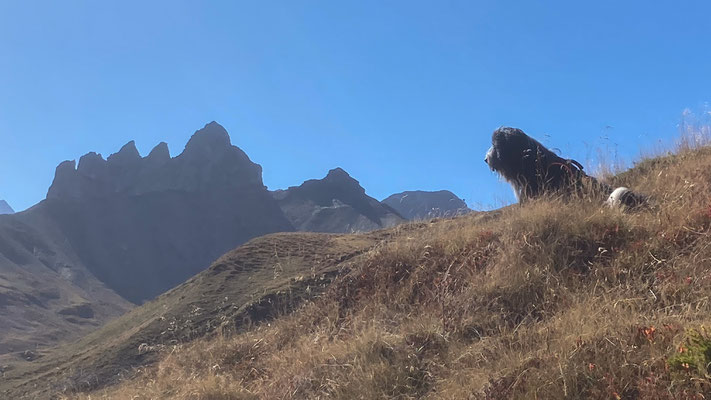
[418, 204]
[125, 228]
[5, 208]
[336, 203]
[144, 225]
[117, 231]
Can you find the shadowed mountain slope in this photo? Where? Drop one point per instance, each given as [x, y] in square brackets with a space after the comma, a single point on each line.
[46, 293]
[418, 204]
[336, 203]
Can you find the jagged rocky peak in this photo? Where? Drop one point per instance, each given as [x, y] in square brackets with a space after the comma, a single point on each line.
[66, 181]
[338, 177]
[337, 184]
[208, 141]
[128, 155]
[220, 164]
[160, 153]
[420, 204]
[209, 162]
[92, 165]
[65, 168]
[338, 173]
[336, 203]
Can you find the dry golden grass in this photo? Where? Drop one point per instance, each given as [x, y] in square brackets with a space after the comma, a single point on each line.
[549, 300]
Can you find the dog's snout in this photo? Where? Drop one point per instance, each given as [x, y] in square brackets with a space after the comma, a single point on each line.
[489, 155]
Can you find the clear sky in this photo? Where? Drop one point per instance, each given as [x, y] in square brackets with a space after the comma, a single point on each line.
[403, 95]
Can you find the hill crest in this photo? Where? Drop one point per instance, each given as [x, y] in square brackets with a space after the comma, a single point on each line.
[547, 299]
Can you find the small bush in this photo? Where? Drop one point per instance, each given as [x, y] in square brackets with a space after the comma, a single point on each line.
[694, 356]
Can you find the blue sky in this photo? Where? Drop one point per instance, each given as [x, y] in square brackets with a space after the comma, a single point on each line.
[401, 94]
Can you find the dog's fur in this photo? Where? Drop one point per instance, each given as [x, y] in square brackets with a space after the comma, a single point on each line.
[533, 170]
[626, 198]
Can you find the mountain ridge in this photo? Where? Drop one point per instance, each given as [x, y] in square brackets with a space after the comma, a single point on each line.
[419, 204]
[336, 203]
[118, 231]
[122, 230]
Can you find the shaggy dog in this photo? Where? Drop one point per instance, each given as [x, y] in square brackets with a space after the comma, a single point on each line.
[533, 170]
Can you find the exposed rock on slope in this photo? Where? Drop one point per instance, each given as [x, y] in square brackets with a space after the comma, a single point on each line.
[5, 208]
[418, 204]
[336, 203]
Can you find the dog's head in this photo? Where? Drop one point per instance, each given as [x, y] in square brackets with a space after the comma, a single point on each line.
[510, 149]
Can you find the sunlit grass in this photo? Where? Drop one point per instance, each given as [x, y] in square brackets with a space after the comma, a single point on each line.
[552, 299]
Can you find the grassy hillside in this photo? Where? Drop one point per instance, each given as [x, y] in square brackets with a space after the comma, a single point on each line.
[47, 294]
[265, 277]
[547, 300]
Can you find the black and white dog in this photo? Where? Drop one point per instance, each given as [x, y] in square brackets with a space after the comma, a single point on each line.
[533, 170]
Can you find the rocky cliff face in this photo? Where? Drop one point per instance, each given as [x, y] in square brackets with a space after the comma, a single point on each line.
[419, 205]
[336, 203]
[125, 228]
[5, 208]
[208, 162]
[144, 224]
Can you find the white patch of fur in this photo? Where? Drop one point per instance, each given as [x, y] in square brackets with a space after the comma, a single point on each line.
[615, 199]
[489, 154]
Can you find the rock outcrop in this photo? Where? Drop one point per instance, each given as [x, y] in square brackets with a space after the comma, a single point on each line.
[143, 225]
[336, 203]
[419, 205]
[5, 208]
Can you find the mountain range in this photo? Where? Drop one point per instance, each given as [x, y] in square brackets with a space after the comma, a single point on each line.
[419, 205]
[117, 231]
[336, 203]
